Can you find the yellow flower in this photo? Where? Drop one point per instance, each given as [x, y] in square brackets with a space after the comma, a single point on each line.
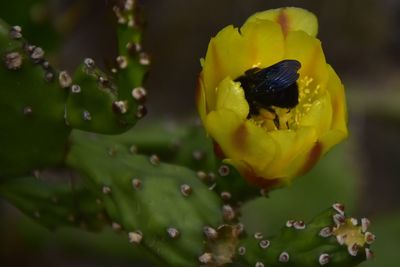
[265, 152]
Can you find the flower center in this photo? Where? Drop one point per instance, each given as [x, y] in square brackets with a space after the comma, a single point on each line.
[289, 119]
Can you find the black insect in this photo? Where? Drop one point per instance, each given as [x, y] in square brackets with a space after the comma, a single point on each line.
[272, 86]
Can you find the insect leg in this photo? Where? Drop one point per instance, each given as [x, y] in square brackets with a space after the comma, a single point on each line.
[276, 119]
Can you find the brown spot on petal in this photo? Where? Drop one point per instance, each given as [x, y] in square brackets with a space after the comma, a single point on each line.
[239, 137]
[253, 179]
[312, 158]
[218, 151]
[283, 20]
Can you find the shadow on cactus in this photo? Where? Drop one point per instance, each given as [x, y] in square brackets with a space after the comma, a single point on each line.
[166, 190]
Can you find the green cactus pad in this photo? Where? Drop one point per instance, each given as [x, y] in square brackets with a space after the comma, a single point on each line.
[162, 207]
[330, 239]
[33, 132]
[54, 205]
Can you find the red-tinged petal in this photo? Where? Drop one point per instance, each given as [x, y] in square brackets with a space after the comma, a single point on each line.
[291, 19]
[242, 142]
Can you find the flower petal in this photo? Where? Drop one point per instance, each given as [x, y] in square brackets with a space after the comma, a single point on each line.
[291, 145]
[200, 98]
[231, 96]
[245, 143]
[262, 37]
[219, 59]
[290, 19]
[231, 53]
[308, 51]
[338, 126]
[319, 116]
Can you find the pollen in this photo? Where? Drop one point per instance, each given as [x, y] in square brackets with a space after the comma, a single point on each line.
[289, 119]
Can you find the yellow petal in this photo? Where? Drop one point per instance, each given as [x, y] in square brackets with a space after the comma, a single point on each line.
[216, 65]
[261, 37]
[319, 116]
[308, 51]
[231, 96]
[291, 144]
[200, 98]
[231, 53]
[290, 19]
[241, 141]
[338, 126]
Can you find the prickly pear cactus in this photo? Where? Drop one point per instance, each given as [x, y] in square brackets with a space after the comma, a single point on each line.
[40, 105]
[163, 188]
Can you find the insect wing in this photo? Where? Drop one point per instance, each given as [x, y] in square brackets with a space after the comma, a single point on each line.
[280, 75]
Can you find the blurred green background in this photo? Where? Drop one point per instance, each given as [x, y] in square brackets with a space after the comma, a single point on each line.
[361, 40]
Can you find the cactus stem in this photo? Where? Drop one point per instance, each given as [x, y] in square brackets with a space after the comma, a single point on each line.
[36, 214]
[135, 237]
[173, 233]
[284, 257]
[324, 259]
[186, 190]
[259, 264]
